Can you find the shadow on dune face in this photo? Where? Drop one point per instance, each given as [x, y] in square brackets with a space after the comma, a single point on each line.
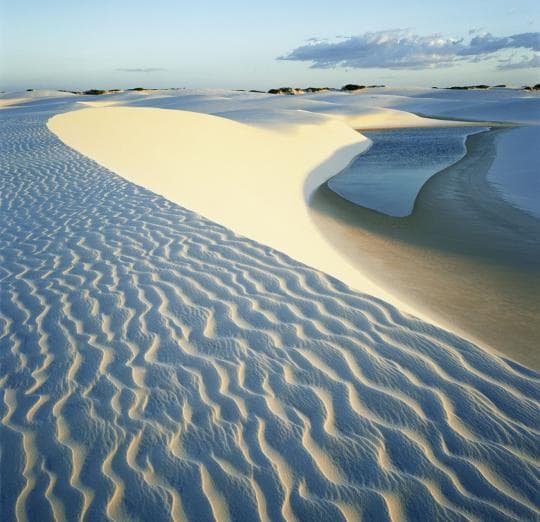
[464, 256]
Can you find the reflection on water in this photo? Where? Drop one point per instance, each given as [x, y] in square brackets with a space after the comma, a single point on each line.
[388, 176]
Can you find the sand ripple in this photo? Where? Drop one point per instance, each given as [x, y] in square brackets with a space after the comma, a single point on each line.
[156, 366]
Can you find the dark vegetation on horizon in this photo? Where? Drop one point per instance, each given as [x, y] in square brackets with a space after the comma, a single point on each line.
[350, 87]
[482, 86]
[97, 92]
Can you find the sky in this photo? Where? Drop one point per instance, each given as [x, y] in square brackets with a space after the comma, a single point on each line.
[241, 44]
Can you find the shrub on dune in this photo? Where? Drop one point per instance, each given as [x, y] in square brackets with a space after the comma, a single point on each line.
[94, 92]
[286, 90]
[350, 87]
[316, 89]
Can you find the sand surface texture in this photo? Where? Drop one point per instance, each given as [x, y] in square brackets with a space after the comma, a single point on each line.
[155, 365]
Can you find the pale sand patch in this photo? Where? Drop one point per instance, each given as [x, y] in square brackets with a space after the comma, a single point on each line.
[373, 119]
[97, 104]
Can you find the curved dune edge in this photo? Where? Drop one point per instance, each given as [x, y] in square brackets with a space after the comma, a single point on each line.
[385, 118]
[252, 180]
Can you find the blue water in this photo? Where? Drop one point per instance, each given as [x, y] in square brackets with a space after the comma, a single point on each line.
[388, 177]
[516, 169]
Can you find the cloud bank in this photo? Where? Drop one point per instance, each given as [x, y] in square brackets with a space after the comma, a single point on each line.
[402, 49]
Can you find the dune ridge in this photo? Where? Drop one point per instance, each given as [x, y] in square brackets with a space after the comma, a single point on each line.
[154, 363]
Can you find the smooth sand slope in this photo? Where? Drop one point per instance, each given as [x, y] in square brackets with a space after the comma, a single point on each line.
[154, 365]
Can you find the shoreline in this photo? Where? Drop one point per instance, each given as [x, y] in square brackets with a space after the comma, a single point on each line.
[389, 176]
[455, 256]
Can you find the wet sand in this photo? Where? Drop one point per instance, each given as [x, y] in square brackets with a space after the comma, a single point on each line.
[464, 256]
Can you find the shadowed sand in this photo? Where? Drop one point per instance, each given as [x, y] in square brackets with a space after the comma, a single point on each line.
[465, 254]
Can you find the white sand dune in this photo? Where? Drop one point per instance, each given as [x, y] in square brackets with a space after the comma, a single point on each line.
[249, 179]
[255, 181]
[11, 101]
[155, 365]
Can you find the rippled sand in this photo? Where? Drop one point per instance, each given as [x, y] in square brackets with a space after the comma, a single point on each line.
[156, 366]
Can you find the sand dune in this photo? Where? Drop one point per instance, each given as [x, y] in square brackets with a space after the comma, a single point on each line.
[12, 99]
[255, 168]
[255, 181]
[155, 365]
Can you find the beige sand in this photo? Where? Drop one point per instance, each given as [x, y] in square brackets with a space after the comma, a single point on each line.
[9, 102]
[380, 118]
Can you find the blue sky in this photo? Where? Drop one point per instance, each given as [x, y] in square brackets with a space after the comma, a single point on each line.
[236, 44]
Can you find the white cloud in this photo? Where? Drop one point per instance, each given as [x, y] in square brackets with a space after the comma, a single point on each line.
[402, 49]
[487, 43]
